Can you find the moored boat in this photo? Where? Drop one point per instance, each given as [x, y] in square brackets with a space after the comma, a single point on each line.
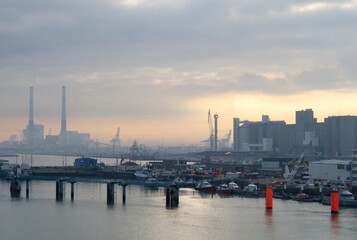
[205, 187]
[223, 189]
[302, 197]
[233, 186]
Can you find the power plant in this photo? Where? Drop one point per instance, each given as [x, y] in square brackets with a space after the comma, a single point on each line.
[66, 140]
[33, 133]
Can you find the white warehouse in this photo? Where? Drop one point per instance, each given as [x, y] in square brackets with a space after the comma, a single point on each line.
[331, 170]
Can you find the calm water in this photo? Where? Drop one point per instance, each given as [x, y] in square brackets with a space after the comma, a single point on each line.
[144, 216]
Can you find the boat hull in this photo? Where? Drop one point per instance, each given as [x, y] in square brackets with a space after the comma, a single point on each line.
[207, 189]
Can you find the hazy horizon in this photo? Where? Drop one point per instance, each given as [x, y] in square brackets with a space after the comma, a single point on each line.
[155, 67]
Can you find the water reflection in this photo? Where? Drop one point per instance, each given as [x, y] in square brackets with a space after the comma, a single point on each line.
[269, 217]
[335, 226]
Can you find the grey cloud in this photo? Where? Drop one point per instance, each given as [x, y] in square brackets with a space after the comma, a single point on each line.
[97, 48]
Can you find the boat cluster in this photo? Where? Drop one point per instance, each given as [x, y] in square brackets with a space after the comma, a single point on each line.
[346, 198]
[251, 190]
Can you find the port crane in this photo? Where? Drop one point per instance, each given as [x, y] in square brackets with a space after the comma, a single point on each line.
[296, 163]
[226, 139]
[210, 140]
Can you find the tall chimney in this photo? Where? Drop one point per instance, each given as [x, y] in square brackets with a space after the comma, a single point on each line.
[31, 121]
[215, 132]
[63, 118]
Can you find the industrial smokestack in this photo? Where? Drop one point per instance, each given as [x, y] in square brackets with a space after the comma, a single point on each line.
[215, 131]
[31, 120]
[63, 118]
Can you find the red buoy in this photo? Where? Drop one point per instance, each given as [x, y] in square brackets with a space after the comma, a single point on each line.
[269, 198]
[334, 202]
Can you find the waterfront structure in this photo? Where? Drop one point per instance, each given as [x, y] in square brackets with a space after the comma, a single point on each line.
[338, 171]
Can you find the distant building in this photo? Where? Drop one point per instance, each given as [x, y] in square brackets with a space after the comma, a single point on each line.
[34, 135]
[331, 170]
[336, 136]
[354, 169]
[257, 136]
[340, 135]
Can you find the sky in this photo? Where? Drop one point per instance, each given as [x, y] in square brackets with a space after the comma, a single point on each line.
[155, 67]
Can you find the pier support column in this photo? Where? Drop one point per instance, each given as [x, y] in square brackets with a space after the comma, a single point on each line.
[172, 196]
[110, 193]
[72, 191]
[269, 198]
[27, 188]
[334, 202]
[124, 193]
[59, 190]
[15, 188]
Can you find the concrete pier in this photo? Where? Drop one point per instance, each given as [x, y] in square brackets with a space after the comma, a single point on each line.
[15, 188]
[27, 188]
[172, 196]
[124, 193]
[110, 193]
[72, 191]
[60, 190]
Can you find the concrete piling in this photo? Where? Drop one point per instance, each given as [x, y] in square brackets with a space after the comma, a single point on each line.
[15, 188]
[72, 191]
[124, 194]
[110, 193]
[27, 188]
[59, 190]
[172, 196]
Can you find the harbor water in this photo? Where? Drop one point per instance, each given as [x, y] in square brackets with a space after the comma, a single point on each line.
[144, 216]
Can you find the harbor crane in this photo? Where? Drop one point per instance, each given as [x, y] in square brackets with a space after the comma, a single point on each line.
[210, 140]
[226, 139]
[295, 164]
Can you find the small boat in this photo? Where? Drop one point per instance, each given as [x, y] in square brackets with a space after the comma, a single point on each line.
[302, 197]
[281, 195]
[143, 174]
[205, 187]
[178, 181]
[224, 189]
[233, 186]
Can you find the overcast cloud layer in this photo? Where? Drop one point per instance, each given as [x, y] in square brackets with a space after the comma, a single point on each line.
[135, 57]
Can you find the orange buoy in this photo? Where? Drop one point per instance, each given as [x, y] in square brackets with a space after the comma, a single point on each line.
[269, 198]
[334, 202]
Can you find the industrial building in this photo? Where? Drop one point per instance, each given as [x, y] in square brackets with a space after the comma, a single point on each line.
[33, 133]
[67, 140]
[354, 169]
[336, 136]
[336, 171]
